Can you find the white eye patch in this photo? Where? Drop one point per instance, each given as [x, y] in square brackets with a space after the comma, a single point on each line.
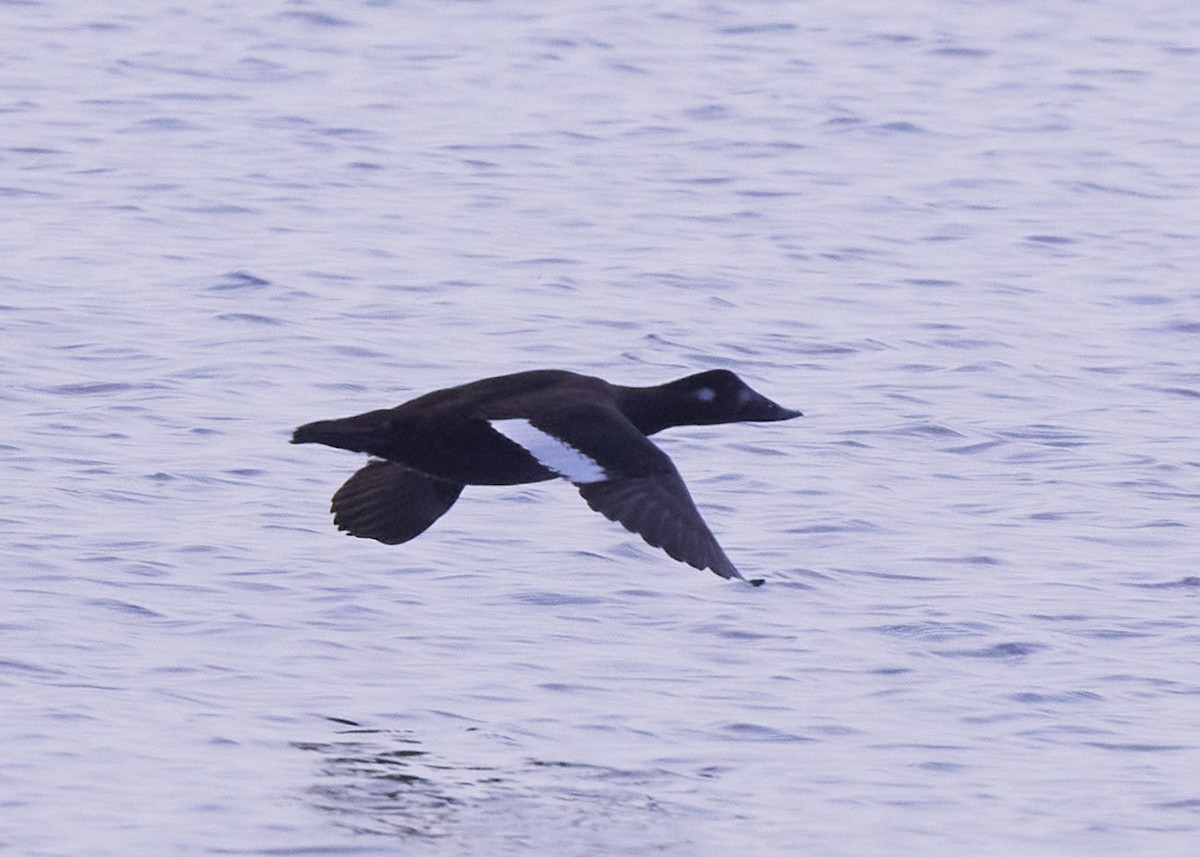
[705, 394]
[550, 452]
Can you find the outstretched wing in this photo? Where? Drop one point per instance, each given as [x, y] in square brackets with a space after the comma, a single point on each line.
[659, 509]
[632, 482]
[390, 503]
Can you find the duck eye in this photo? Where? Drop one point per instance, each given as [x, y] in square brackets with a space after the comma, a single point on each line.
[705, 394]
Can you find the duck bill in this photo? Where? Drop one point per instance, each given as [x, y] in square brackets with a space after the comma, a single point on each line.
[760, 409]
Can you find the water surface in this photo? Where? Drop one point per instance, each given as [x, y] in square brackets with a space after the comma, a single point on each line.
[961, 238]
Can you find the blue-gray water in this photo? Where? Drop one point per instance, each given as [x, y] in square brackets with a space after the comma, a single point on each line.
[962, 237]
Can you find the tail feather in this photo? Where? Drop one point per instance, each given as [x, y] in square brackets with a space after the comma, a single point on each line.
[352, 433]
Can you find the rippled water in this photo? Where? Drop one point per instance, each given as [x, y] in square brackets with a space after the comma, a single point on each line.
[962, 238]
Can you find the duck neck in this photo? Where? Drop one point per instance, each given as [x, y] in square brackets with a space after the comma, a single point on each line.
[645, 408]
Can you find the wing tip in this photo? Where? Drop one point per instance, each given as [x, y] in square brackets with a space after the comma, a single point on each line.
[729, 572]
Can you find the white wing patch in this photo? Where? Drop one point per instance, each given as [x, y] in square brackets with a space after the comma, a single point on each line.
[557, 455]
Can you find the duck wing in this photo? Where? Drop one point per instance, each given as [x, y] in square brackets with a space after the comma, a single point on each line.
[659, 509]
[391, 503]
[625, 477]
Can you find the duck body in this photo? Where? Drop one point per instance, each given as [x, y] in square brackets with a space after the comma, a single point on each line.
[531, 427]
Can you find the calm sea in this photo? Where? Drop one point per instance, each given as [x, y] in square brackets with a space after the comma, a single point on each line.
[962, 237]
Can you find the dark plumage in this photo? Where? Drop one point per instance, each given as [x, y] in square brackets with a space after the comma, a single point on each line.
[533, 426]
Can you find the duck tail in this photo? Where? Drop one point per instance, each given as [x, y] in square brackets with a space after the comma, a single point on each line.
[353, 433]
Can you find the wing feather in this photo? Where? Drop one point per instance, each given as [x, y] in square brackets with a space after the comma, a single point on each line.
[391, 503]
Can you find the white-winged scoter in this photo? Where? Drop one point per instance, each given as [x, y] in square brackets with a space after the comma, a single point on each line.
[533, 426]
